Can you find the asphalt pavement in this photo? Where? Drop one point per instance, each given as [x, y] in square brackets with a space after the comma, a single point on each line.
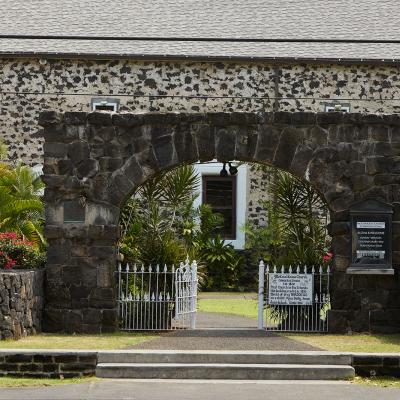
[216, 331]
[108, 389]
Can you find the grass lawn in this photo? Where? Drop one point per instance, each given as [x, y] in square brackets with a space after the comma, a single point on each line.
[370, 343]
[382, 381]
[31, 382]
[106, 341]
[244, 304]
[228, 295]
[228, 303]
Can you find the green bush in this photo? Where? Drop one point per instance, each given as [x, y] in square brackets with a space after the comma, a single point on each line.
[17, 253]
[160, 225]
[296, 232]
[21, 206]
[223, 264]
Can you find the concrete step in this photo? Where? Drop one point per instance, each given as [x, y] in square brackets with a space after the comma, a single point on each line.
[224, 371]
[224, 357]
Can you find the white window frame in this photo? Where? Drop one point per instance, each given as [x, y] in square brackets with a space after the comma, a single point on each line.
[105, 102]
[38, 169]
[214, 168]
[332, 107]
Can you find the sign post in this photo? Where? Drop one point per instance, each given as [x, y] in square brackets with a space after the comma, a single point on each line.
[371, 238]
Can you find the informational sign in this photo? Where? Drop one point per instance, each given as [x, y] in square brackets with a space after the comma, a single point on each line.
[371, 231]
[290, 289]
[371, 241]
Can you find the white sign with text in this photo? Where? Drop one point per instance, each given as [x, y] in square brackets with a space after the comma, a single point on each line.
[290, 289]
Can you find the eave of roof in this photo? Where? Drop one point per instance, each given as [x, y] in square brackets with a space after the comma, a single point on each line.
[369, 52]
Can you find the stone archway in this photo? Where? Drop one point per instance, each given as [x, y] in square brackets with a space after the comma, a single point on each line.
[94, 161]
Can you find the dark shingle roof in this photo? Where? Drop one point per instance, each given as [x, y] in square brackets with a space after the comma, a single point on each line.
[282, 29]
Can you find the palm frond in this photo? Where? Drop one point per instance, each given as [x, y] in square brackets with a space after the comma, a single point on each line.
[33, 232]
[21, 209]
[180, 184]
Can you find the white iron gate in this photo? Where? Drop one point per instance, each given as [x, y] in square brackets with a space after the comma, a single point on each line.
[294, 299]
[156, 299]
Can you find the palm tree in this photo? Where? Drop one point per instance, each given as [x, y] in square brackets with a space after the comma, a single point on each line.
[153, 220]
[296, 230]
[300, 208]
[21, 208]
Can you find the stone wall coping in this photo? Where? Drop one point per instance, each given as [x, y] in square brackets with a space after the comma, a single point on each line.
[19, 271]
[7, 352]
[129, 119]
[375, 354]
[93, 352]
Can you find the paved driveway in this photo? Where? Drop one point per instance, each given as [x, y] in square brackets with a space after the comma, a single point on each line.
[229, 332]
[202, 390]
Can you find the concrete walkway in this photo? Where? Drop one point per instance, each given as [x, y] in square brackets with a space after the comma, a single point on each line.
[212, 339]
[228, 332]
[201, 390]
[208, 320]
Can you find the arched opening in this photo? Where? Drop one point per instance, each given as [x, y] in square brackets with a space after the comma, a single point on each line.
[227, 217]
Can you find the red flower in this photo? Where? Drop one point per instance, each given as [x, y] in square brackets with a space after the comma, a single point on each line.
[327, 257]
[8, 235]
[10, 263]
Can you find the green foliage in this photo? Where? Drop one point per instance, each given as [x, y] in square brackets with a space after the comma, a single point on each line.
[222, 263]
[266, 242]
[21, 207]
[296, 232]
[17, 253]
[21, 216]
[160, 225]
[153, 220]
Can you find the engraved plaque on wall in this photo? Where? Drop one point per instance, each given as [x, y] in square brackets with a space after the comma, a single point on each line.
[74, 212]
[371, 231]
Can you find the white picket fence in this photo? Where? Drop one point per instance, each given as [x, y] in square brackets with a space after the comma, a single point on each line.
[303, 301]
[157, 298]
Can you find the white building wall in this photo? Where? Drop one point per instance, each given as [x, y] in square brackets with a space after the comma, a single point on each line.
[214, 168]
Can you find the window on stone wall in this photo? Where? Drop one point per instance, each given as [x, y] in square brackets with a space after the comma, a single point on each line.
[335, 107]
[105, 105]
[220, 194]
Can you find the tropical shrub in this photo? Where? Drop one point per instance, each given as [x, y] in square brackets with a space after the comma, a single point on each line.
[21, 207]
[223, 264]
[21, 216]
[296, 231]
[160, 225]
[18, 253]
[153, 219]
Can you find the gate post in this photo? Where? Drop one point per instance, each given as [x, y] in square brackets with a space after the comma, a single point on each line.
[193, 296]
[261, 274]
